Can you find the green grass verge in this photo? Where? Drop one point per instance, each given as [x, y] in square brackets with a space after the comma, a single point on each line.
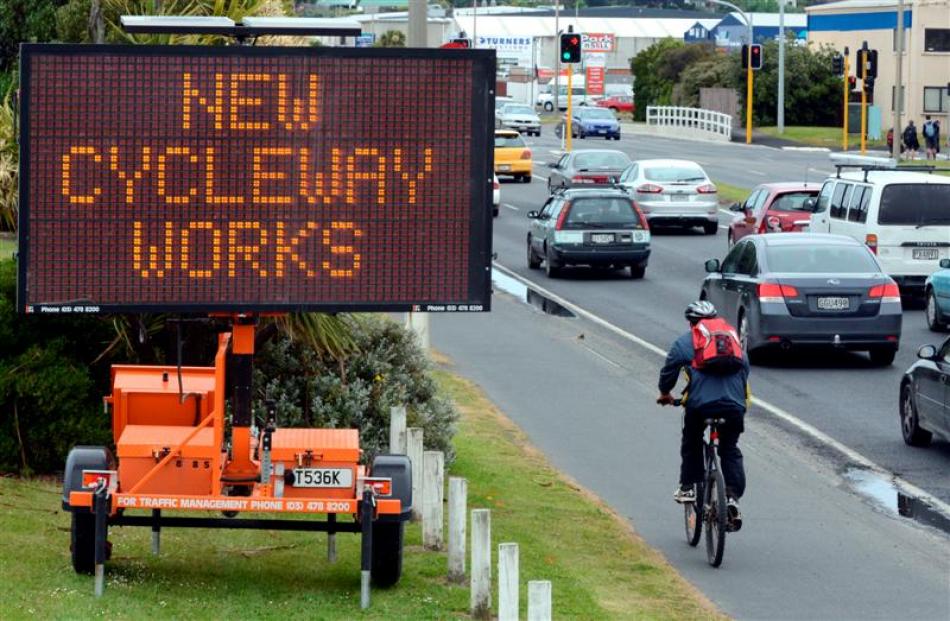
[7, 246]
[818, 136]
[729, 194]
[599, 567]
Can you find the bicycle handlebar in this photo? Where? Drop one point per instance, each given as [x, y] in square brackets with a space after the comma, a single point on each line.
[676, 402]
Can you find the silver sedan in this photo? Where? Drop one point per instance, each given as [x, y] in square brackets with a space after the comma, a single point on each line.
[673, 192]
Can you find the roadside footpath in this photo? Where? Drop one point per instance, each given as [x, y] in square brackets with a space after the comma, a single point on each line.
[811, 546]
[598, 567]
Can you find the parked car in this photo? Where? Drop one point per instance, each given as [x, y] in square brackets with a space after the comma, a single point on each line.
[594, 227]
[512, 155]
[925, 396]
[902, 216]
[587, 167]
[673, 192]
[937, 290]
[618, 103]
[519, 117]
[591, 122]
[773, 208]
[502, 101]
[578, 98]
[495, 196]
[803, 289]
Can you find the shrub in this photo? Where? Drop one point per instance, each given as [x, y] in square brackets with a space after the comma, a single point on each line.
[388, 368]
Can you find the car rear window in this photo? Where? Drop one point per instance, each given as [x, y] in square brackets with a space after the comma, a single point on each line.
[831, 259]
[509, 140]
[595, 113]
[517, 110]
[915, 204]
[601, 159]
[674, 174]
[792, 201]
[602, 212]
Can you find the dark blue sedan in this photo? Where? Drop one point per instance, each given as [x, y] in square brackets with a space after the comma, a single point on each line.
[586, 121]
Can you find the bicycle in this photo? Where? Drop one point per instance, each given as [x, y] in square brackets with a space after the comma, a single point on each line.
[712, 491]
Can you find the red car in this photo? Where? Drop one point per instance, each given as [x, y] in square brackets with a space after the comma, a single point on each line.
[617, 103]
[773, 208]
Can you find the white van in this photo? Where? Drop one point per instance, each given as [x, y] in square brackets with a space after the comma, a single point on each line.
[904, 217]
[578, 96]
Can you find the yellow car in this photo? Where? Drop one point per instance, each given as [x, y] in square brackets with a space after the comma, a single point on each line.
[512, 155]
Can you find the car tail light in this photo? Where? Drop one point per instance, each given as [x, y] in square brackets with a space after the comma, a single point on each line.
[774, 292]
[495, 185]
[526, 154]
[643, 219]
[562, 217]
[650, 188]
[871, 240]
[579, 179]
[885, 293]
[707, 189]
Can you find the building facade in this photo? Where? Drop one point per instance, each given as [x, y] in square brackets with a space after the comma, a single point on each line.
[926, 58]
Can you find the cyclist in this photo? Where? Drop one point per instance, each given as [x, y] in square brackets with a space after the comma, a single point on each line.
[707, 396]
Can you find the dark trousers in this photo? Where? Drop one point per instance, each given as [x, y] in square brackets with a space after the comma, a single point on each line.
[691, 448]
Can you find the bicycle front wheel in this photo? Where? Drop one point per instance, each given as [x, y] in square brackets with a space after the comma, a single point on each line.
[714, 517]
[693, 517]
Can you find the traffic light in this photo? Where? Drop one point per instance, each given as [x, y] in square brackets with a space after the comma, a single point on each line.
[869, 84]
[867, 59]
[570, 47]
[852, 82]
[837, 64]
[756, 56]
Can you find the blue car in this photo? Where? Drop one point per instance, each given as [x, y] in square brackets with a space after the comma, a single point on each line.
[937, 289]
[587, 121]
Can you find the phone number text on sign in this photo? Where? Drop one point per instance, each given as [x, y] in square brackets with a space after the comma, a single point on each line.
[213, 179]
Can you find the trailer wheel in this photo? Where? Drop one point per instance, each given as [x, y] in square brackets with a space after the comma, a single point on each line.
[82, 542]
[387, 552]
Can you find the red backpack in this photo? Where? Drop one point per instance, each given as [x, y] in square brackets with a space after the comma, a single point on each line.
[717, 348]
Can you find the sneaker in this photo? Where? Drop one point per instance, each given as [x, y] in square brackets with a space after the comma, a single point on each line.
[684, 494]
[734, 517]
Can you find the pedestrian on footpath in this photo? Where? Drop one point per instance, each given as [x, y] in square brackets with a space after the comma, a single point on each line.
[931, 132]
[911, 141]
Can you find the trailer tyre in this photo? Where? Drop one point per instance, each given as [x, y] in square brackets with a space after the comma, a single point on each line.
[387, 552]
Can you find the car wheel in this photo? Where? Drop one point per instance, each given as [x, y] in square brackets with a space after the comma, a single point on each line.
[494, 212]
[710, 228]
[934, 321]
[551, 268]
[550, 186]
[743, 331]
[638, 271]
[548, 106]
[910, 424]
[533, 261]
[526, 179]
[882, 356]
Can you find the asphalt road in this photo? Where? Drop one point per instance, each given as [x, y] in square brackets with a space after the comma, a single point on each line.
[839, 393]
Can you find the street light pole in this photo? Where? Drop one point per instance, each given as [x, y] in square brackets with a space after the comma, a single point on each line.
[898, 82]
[780, 114]
[748, 97]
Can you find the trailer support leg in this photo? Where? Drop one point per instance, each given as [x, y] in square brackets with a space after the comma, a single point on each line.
[101, 505]
[367, 511]
[156, 531]
[331, 538]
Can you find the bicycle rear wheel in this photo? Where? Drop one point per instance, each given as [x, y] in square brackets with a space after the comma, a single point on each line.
[714, 517]
[693, 517]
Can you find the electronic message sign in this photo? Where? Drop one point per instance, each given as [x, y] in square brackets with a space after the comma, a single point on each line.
[178, 178]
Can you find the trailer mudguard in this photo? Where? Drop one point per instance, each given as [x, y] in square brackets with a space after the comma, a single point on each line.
[399, 469]
[84, 458]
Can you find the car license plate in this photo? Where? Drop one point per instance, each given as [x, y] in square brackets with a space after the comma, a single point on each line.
[602, 238]
[504, 167]
[926, 254]
[834, 303]
[323, 477]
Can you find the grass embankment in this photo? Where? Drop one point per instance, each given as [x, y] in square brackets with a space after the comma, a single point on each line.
[829, 137]
[729, 194]
[599, 568]
[7, 245]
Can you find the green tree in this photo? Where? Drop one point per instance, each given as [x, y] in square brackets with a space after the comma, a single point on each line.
[716, 71]
[25, 21]
[659, 67]
[391, 38]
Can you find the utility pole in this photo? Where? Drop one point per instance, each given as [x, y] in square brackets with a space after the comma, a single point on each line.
[418, 22]
[780, 115]
[863, 69]
[898, 82]
[847, 99]
[557, 55]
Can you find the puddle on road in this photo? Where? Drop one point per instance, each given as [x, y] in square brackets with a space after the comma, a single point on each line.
[528, 295]
[887, 496]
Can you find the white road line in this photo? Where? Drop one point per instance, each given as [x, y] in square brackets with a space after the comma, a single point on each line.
[602, 357]
[820, 172]
[853, 456]
[541, 177]
[756, 172]
[511, 207]
[726, 228]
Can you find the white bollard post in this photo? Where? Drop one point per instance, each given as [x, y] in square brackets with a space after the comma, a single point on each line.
[397, 430]
[419, 323]
[539, 600]
[481, 564]
[458, 512]
[433, 473]
[508, 582]
[414, 449]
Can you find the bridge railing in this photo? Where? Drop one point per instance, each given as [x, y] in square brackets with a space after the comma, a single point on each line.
[715, 125]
